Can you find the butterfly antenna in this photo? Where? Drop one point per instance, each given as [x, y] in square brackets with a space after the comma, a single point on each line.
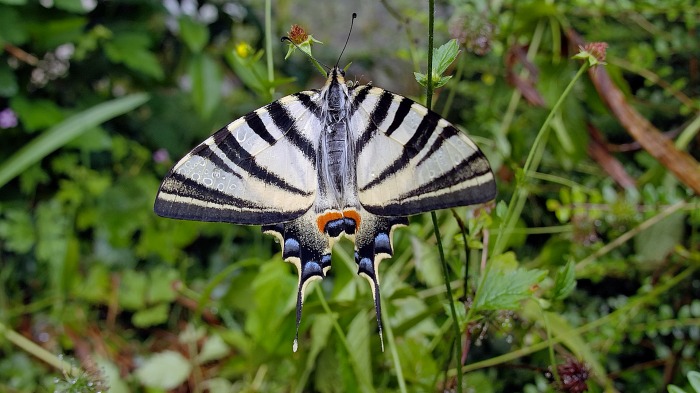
[285, 38]
[354, 15]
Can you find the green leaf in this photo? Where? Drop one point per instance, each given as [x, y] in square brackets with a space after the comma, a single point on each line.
[505, 284]
[442, 58]
[8, 81]
[151, 316]
[166, 370]
[64, 132]
[12, 27]
[71, 6]
[206, 84]
[213, 349]
[132, 290]
[358, 342]
[653, 244]
[195, 35]
[564, 281]
[131, 49]
[110, 372]
[96, 288]
[694, 379]
[675, 389]
[17, 231]
[161, 285]
[36, 114]
[250, 72]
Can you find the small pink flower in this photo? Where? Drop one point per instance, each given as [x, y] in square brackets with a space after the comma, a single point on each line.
[8, 118]
[161, 155]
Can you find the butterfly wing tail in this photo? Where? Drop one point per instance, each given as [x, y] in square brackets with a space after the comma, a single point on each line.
[374, 243]
[308, 250]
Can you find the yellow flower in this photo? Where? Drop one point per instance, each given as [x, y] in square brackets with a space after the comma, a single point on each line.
[243, 49]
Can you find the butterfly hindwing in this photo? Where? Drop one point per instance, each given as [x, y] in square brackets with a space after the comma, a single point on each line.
[412, 159]
[260, 169]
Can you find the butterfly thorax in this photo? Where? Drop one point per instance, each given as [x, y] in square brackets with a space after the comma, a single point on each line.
[336, 175]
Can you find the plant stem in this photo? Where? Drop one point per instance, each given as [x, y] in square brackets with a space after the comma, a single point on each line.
[620, 240]
[394, 352]
[445, 269]
[40, 353]
[268, 44]
[517, 201]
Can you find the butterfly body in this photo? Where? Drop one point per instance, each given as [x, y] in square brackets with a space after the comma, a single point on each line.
[321, 164]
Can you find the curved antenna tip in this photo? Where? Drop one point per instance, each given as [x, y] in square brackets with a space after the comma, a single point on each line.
[354, 15]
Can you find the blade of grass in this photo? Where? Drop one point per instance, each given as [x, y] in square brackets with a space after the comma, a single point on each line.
[64, 132]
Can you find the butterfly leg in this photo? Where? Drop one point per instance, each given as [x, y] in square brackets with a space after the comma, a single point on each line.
[373, 243]
[306, 249]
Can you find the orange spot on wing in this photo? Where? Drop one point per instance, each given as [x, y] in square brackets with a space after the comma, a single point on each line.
[324, 218]
[355, 215]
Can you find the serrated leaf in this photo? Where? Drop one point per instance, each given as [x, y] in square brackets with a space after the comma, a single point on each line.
[505, 284]
[444, 56]
[195, 35]
[206, 84]
[166, 370]
[564, 281]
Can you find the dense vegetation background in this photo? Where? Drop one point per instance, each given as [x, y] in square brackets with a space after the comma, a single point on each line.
[589, 275]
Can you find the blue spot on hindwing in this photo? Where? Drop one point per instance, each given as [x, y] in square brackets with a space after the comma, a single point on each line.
[292, 248]
[382, 244]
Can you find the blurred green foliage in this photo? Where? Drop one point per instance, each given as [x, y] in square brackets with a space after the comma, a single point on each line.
[99, 99]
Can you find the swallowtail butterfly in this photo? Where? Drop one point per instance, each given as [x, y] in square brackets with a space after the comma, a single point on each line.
[344, 160]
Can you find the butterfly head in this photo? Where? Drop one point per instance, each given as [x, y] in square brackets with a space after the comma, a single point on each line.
[336, 89]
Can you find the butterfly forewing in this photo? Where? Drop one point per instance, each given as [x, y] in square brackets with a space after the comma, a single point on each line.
[260, 169]
[411, 160]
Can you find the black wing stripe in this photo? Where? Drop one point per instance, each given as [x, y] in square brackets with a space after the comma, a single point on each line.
[184, 187]
[256, 124]
[360, 97]
[282, 119]
[379, 114]
[471, 167]
[411, 149]
[206, 152]
[401, 112]
[309, 104]
[246, 162]
[445, 134]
